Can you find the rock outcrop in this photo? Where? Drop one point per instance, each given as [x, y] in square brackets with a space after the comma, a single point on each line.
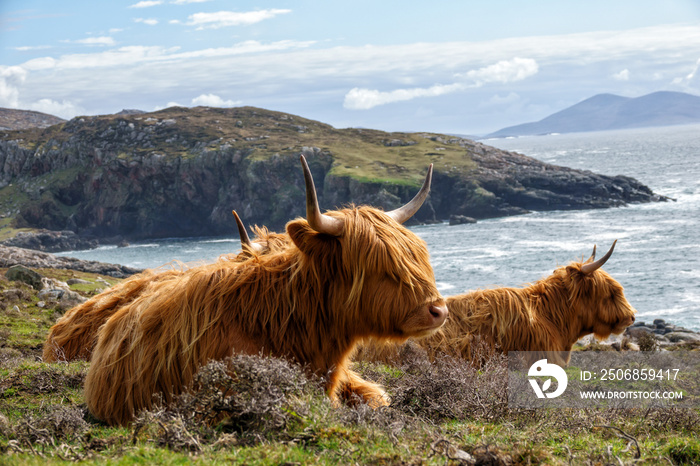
[11, 256]
[179, 172]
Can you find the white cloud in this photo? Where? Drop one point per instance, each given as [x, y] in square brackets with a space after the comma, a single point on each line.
[104, 40]
[364, 99]
[132, 55]
[502, 72]
[64, 109]
[168, 105]
[623, 75]
[146, 4]
[10, 79]
[311, 81]
[691, 81]
[211, 100]
[232, 18]
[498, 100]
[27, 48]
[149, 21]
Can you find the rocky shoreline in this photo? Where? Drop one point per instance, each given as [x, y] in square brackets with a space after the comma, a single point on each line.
[10, 256]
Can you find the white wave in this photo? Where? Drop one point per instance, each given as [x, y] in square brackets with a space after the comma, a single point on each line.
[141, 245]
[222, 240]
[442, 286]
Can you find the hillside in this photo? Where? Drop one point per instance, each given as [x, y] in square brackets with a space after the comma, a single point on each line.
[180, 172]
[608, 111]
[12, 119]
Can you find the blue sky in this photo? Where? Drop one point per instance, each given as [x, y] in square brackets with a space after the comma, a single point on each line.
[464, 67]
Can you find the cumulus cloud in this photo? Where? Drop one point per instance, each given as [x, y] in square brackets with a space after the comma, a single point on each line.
[232, 18]
[364, 99]
[64, 109]
[10, 78]
[623, 75]
[104, 40]
[149, 21]
[690, 80]
[502, 72]
[505, 71]
[211, 100]
[146, 4]
[168, 105]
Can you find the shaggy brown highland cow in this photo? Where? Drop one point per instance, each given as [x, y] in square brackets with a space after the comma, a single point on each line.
[349, 274]
[547, 317]
[74, 336]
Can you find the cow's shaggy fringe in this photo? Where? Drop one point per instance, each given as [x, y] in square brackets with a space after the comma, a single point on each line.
[310, 302]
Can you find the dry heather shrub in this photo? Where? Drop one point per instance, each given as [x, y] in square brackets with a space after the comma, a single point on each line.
[647, 342]
[56, 424]
[55, 379]
[253, 396]
[446, 388]
[10, 358]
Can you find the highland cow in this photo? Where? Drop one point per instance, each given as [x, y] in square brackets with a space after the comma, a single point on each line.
[74, 336]
[546, 317]
[348, 274]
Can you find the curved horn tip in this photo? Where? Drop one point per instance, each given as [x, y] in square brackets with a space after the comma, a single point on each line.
[592, 267]
[592, 258]
[403, 213]
[242, 232]
[319, 222]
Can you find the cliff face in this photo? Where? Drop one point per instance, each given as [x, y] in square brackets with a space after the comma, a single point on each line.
[180, 172]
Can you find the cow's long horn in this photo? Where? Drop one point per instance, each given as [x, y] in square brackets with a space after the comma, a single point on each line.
[593, 266]
[592, 258]
[320, 222]
[243, 233]
[405, 212]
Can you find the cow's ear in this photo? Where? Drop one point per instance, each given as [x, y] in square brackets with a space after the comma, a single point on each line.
[310, 242]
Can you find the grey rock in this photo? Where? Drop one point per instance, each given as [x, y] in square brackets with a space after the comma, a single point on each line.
[461, 220]
[10, 256]
[23, 274]
[77, 281]
[676, 337]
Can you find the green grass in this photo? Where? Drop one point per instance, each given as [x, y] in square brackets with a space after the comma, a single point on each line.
[439, 413]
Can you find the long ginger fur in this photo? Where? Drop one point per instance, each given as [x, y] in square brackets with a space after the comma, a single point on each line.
[546, 317]
[310, 302]
[74, 335]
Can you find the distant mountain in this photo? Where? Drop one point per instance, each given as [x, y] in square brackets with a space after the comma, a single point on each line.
[12, 119]
[608, 111]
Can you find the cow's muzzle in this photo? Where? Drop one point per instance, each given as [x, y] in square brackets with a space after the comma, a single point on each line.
[438, 314]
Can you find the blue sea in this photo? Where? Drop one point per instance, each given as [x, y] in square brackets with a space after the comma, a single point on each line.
[657, 257]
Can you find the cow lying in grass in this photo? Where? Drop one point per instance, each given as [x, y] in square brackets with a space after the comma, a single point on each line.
[348, 274]
[74, 336]
[546, 317]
